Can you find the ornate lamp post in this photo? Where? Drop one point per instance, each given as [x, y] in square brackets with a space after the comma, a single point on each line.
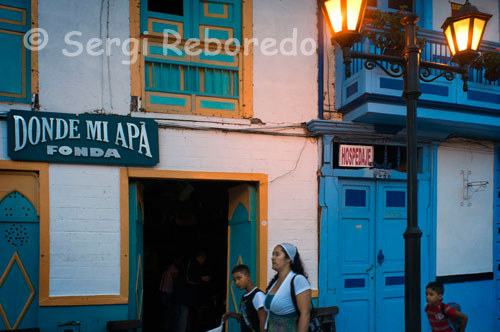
[463, 33]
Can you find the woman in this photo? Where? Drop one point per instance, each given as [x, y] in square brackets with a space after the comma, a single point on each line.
[283, 317]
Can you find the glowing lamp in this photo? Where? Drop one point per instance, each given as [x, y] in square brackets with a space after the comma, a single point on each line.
[464, 31]
[344, 18]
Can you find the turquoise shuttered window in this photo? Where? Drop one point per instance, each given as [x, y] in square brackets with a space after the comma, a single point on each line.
[15, 21]
[197, 82]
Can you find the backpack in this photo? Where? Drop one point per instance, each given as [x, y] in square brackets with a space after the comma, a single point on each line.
[314, 323]
[457, 324]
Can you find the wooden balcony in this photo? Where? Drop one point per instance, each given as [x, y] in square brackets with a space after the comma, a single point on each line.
[372, 96]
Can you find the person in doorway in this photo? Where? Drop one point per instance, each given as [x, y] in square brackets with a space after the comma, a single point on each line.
[283, 314]
[438, 312]
[166, 292]
[186, 289]
[252, 316]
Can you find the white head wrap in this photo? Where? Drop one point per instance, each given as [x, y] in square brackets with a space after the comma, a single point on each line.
[290, 249]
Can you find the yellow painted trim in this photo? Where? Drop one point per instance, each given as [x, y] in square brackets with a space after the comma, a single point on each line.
[34, 54]
[180, 27]
[179, 47]
[314, 293]
[23, 68]
[230, 31]
[44, 298]
[139, 273]
[217, 112]
[206, 13]
[43, 182]
[243, 194]
[246, 61]
[23, 11]
[135, 33]
[15, 258]
[262, 190]
[236, 60]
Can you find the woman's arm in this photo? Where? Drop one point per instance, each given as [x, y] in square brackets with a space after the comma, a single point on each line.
[304, 306]
[463, 318]
[262, 313]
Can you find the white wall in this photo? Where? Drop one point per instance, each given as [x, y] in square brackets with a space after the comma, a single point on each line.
[290, 163]
[84, 230]
[84, 83]
[442, 9]
[464, 233]
[85, 211]
[285, 87]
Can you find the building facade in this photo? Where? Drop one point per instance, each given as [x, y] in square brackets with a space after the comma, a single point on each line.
[134, 132]
[234, 171]
[364, 208]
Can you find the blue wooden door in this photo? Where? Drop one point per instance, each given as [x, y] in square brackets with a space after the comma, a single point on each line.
[389, 253]
[372, 220]
[136, 250]
[19, 262]
[242, 241]
[356, 243]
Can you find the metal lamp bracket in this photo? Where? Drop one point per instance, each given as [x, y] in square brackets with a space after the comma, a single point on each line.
[470, 187]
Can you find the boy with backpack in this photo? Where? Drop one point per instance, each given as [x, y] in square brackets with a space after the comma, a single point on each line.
[252, 316]
[442, 317]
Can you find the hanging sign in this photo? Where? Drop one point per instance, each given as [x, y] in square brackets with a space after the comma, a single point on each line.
[82, 138]
[355, 156]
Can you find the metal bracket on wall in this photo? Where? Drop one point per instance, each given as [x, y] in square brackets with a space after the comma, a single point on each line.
[470, 187]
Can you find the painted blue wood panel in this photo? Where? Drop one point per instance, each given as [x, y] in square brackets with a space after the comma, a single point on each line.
[389, 248]
[15, 63]
[242, 249]
[11, 65]
[19, 261]
[136, 251]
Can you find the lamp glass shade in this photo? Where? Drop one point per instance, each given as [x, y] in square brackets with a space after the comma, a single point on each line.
[462, 33]
[449, 39]
[334, 14]
[354, 12]
[477, 33]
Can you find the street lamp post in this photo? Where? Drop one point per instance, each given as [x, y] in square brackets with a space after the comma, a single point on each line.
[463, 32]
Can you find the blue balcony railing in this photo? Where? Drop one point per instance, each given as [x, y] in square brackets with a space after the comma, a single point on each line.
[434, 50]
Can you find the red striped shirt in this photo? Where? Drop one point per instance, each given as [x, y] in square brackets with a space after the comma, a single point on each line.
[438, 321]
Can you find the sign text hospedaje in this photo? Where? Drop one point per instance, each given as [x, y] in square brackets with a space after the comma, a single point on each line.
[82, 138]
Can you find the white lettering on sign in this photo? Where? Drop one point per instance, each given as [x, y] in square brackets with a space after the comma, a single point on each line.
[355, 156]
[82, 151]
[42, 129]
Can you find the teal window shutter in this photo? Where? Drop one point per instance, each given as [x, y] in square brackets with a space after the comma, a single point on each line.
[204, 83]
[15, 65]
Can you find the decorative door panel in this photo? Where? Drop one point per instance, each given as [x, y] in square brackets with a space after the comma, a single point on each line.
[242, 241]
[19, 248]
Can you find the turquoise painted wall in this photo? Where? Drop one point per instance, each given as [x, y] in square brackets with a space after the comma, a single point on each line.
[91, 318]
[477, 299]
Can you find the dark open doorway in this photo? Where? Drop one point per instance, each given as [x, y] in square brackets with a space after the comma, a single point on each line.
[181, 217]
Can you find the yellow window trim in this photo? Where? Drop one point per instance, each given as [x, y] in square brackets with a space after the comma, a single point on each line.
[246, 58]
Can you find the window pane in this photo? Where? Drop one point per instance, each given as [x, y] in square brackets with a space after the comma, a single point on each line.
[396, 4]
[173, 7]
[355, 197]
